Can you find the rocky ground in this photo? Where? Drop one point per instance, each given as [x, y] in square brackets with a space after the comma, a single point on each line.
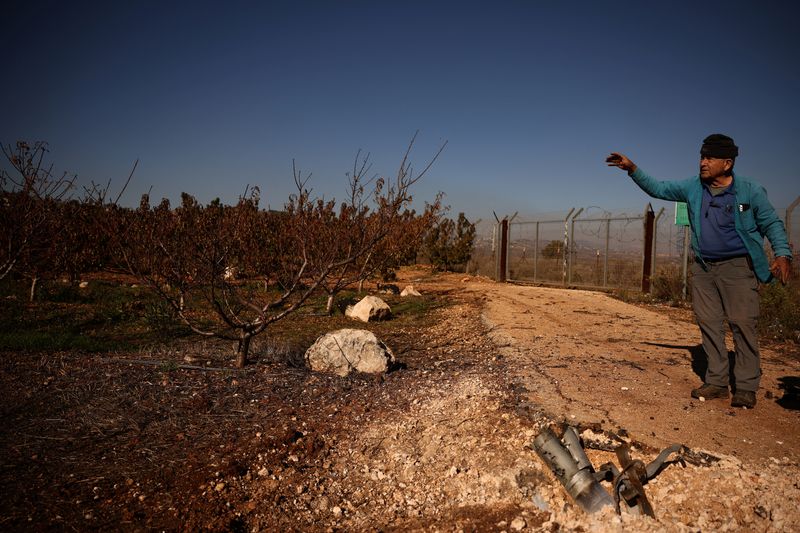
[441, 444]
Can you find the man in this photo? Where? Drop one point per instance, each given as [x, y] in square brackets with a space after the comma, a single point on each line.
[729, 217]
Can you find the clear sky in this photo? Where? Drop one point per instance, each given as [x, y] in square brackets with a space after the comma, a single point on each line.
[530, 96]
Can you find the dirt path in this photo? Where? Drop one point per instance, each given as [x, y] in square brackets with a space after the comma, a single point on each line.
[592, 358]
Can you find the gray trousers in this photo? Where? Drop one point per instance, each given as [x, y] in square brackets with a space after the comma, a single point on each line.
[728, 290]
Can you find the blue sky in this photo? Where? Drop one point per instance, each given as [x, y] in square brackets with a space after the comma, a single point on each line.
[530, 96]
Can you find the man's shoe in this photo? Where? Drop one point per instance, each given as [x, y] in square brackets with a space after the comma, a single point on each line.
[744, 398]
[709, 392]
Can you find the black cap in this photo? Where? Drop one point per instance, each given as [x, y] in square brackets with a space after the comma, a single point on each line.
[719, 146]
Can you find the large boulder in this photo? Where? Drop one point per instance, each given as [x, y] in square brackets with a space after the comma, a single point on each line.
[347, 350]
[369, 308]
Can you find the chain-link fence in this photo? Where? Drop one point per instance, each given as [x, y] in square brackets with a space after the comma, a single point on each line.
[583, 248]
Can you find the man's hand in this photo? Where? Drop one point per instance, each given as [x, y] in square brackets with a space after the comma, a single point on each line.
[781, 267]
[620, 161]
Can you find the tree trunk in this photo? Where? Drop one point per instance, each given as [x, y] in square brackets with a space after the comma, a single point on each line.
[33, 288]
[329, 305]
[242, 350]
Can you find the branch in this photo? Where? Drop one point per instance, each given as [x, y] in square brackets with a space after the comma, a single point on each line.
[127, 181]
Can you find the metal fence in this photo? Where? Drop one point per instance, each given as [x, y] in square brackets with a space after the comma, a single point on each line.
[580, 249]
[594, 248]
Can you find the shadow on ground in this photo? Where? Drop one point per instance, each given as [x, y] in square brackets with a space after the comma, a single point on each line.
[791, 392]
[698, 355]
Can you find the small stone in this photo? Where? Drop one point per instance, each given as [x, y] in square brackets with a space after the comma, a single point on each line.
[702, 398]
[518, 524]
[322, 503]
[219, 487]
[337, 511]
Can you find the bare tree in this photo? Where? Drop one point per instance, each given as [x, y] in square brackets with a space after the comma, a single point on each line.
[362, 232]
[28, 209]
[185, 254]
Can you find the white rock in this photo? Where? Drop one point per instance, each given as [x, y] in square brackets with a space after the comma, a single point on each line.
[369, 308]
[410, 291]
[518, 524]
[346, 350]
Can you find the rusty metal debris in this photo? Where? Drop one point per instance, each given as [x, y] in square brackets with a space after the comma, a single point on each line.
[568, 461]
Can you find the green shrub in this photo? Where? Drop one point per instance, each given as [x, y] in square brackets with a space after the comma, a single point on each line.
[780, 311]
[667, 284]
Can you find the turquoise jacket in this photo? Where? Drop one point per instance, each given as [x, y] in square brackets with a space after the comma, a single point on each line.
[755, 218]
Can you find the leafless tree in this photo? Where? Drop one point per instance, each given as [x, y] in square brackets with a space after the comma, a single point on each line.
[28, 215]
[186, 254]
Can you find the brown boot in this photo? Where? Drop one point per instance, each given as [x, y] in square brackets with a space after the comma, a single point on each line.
[710, 392]
[744, 398]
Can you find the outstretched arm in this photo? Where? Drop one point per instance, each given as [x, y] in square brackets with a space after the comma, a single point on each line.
[665, 190]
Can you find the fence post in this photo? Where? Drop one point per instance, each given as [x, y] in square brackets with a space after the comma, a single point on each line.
[655, 242]
[686, 238]
[572, 251]
[566, 245]
[536, 253]
[503, 251]
[647, 260]
[605, 258]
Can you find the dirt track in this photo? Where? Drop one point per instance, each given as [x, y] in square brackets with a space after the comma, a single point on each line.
[593, 358]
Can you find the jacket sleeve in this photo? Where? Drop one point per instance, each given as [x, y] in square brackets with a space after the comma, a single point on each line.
[675, 191]
[768, 222]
